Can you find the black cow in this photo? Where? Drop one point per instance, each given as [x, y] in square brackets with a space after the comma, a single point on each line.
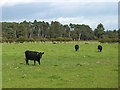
[99, 48]
[76, 47]
[33, 55]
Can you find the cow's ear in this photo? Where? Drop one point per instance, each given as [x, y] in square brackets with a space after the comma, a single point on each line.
[42, 52]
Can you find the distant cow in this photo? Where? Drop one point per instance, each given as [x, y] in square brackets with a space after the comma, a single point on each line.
[33, 55]
[76, 47]
[99, 48]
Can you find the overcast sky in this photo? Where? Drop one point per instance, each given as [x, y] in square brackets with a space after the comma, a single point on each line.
[88, 12]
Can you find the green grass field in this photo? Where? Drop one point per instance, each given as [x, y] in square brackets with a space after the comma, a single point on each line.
[61, 66]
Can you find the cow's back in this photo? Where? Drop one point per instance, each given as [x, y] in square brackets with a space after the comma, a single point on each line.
[100, 48]
[76, 47]
[32, 55]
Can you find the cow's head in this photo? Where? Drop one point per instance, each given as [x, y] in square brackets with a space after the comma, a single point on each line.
[40, 54]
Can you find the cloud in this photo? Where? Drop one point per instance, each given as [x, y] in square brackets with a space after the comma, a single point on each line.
[110, 22]
[55, 2]
[90, 13]
[14, 2]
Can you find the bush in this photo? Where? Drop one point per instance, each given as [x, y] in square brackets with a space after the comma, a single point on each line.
[54, 42]
[40, 39]
[0, 39]
[62, 39]
[109, 40]
[30, 40]
[23, 39]
[4, 39]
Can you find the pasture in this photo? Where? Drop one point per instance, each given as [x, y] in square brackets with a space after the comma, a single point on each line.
[61, 66]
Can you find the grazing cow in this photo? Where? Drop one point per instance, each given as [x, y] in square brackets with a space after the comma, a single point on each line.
[33, 55]
[76, 47]
[99, 48]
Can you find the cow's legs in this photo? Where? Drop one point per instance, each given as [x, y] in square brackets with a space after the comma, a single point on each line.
[98, 50]
[34, 62]
[27, 61]
[75, 49]
[39, 62]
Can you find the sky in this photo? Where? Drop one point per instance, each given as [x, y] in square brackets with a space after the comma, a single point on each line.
[89, 12]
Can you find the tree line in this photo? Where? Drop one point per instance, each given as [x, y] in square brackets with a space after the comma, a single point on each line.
[55, 31]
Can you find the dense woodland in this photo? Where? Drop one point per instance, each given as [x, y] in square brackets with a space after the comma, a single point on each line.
[55, 31]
